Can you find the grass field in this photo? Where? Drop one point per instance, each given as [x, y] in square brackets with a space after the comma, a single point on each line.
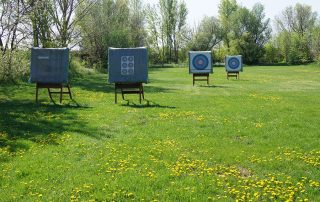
[253, 139]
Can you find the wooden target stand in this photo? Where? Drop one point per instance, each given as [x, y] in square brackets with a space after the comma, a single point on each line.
[54, 86]
[201, 77]
[233, 74]
[128, 88]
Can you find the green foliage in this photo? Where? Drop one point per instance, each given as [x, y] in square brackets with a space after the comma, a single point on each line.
[110, 24]
[272, 54]
[14, 66]
[227, 9]
[167, 30]
[245, 32]
[300, 50]
[219, 54]
[78, 68]
[207, 36]
[297, 37]
[256, 139]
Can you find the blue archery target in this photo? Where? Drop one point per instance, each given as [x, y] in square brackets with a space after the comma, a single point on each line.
[200, 62]
[234, 63]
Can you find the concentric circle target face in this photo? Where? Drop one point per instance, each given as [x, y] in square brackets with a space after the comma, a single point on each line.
[234, 63]
[124, 59]
[200, 62]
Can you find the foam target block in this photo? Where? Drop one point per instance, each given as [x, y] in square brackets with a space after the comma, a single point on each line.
[49, 65]
[234, 63]
[128, 65]
[200, 62]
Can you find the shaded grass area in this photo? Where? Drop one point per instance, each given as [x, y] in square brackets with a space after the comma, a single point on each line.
[255, 138]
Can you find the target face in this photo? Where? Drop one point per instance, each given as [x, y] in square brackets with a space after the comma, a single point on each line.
[200, 62]
[127, 65]
[234, 63]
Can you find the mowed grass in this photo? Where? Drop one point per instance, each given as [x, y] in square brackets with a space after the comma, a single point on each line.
[256, 138]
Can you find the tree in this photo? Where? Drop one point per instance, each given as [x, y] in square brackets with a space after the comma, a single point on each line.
[110, 23]
[299, 19]
[166, 26]
[250, 32]
[208, 34]
[41, 22]
[227, 9]
[12, 33]
[53, 21]
[137, 23]
[297, 24]
[315, 49]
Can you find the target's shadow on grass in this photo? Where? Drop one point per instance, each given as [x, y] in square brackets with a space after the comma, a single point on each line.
[146, 104]
[41, 123]
[72, 104]
[214, 86]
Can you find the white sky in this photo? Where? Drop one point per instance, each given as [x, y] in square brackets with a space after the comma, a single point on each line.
[199, 8]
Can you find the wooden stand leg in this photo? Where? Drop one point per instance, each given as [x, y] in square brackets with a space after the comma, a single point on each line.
[193, 79]
[37, 90]
[61, 93]
[50, 94]
[122, 94]
[68, 86]
[142, 91]
[115, 94]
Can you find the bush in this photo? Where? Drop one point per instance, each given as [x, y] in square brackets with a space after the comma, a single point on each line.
[15, 66]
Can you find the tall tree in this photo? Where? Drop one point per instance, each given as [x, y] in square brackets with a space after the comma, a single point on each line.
[208, 34]
[299, 19]
[137, 22]
[168, 19]
[110, 23]
[297, 24]
[227, 9]
[251, 31]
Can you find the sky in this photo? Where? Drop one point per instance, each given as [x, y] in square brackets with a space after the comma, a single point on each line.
[199, 8]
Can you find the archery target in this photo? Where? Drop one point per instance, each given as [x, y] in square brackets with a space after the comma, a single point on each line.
[127, 65]
[234, 63]
[200, 62]
[49, 65]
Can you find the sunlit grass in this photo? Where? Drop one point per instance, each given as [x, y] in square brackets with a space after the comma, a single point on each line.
[253, 139]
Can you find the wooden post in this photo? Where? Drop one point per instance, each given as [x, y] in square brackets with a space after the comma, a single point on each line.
[37, 90]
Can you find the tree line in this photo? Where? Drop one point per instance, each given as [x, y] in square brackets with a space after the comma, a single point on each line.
[92, 26]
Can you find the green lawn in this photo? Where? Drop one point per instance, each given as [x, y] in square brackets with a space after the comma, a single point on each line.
[255, 138]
